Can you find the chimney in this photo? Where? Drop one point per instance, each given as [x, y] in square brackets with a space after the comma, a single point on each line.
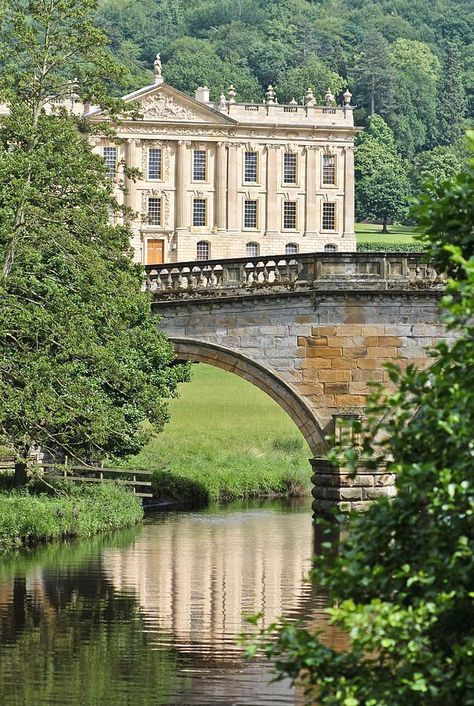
[202, 94]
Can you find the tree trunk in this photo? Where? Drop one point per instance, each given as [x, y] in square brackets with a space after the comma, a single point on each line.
[372, 96]
[384, 226]
[21, 476]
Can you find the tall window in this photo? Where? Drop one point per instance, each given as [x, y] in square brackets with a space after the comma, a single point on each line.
[110, 158]
[329, 169]
[289, 168]
[291, 249]
[330, 247]
[250, 167]
[199, 212]
[199, 165]
[251, 249]
[154, 211]
[202, 250]
[154, 163]
[329, 216]
[250, 214]
[289, 215]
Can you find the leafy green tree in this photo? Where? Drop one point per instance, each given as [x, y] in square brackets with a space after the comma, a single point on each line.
[401, 587]
[415, 74]
[82, 362]
[382, 185]
[295, 82]
[451, 99]
[373, 73]
[433, 167]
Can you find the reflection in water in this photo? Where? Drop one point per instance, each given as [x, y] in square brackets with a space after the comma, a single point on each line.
[151, 616]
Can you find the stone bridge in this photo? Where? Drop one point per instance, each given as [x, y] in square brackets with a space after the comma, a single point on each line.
[312, 331]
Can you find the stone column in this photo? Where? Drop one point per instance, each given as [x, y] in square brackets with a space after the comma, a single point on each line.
[311, 205]
[273, 215]
[233, 220]
[182, 178]
[133, 158]
[349, 191]
[221, 187]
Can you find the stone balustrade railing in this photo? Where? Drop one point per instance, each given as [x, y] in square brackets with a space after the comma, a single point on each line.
[328, 271]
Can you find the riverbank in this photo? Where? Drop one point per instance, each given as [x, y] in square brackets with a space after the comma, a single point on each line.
[30, 518]
[227, 440]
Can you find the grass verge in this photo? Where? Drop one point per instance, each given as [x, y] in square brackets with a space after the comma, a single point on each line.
[226, 440]
[28, 518]
[372, 233]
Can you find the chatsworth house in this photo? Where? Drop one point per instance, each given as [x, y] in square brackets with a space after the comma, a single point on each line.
[227, 179]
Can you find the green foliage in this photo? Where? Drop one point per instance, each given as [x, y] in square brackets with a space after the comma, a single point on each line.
[433, 167]
[226, 440]
[382, 185]
[448, 217]
[401, 587]
[27, 519]
[451, 99]
[391, 247]
[314, 74]
[82, 362]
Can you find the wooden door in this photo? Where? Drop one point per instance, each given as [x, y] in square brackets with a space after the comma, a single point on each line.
[154, 252]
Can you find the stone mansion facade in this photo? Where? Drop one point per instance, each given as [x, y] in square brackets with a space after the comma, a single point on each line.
[229, 179]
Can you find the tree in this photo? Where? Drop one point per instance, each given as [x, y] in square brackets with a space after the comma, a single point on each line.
[433, 167]
[451, 109]
[373, 73]
[415, 74]
[82, 364]
[382, 185]
[294, 83]
[401, 587]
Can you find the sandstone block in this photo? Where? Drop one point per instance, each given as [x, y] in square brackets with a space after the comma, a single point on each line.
[324, 352]
[391, 341]
[342, 364]
[348, 330]
[336, 388]
[380, 352]
[366, 363]
[335, 375]
[323, 330]
[356, 352]
[367, 376]
[317, 364]
[360, 388]
[372, 341]
[306, 390]
[350, 401]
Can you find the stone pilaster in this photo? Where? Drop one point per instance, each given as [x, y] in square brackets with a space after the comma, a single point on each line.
[182, 219]
[221, 187]
[311, 205]
[233, 215]
[272, 211]
[334, 488]
[349, 199]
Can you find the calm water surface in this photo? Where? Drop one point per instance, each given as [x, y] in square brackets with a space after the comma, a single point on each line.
[150, 616]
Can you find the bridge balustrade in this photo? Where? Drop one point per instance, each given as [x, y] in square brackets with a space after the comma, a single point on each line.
[308, 270]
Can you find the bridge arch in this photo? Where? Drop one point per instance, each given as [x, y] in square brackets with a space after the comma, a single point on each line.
[260, 376]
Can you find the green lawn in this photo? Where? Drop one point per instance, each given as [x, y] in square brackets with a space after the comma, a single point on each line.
[372, 233]
[226, 439]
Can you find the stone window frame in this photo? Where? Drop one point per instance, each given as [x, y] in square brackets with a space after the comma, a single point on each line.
[159, 149]
[248, 198]
[287, 200]
[257, 167]
[293, 182]
[203, 200]
[324, 217]
[201, 151]
[254, 245]
[292, 249]
[159, 222]
[330, 247]
[111, 167]
[204, 251]
[325, 184]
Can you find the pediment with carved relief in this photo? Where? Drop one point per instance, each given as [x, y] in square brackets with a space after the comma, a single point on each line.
[168, 104]
[163, 107]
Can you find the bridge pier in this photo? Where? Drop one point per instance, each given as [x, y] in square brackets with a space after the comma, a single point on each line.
[335, 488]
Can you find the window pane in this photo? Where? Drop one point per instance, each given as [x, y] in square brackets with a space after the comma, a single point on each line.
[250, 214]
[199, 212]
[154, 163]
[199, 165]
[289, 168]
[202, 250]
[250, 169]
[329, 169]
[154, 211]
[251, 249]
[110, 157]
[330, 247]
[291, 249]
[289, 215]
[329, 216]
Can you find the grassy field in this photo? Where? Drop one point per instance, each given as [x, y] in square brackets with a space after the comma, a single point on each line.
[372, 233]
[227, 439]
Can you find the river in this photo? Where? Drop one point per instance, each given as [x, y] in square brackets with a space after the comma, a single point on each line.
[150, 616]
